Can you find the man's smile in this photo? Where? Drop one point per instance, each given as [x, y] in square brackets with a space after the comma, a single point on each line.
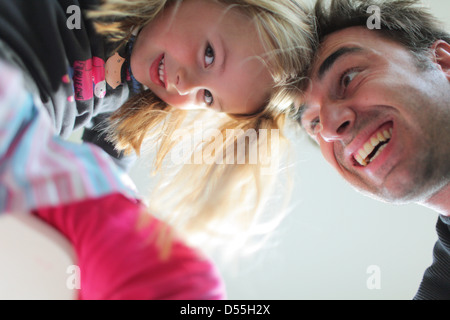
[373, 146]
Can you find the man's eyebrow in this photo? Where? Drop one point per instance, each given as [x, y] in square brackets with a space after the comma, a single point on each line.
[331, 59]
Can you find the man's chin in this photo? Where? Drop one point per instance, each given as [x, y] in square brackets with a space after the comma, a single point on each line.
[400, 192]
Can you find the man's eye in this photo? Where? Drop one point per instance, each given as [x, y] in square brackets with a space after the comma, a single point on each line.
[208, 98]
[209, 55]
[347, 77]
[315, 126]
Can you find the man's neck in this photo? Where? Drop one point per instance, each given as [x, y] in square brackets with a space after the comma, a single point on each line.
[440, 201]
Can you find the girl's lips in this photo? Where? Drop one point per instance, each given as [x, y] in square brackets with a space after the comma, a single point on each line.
[154, 71]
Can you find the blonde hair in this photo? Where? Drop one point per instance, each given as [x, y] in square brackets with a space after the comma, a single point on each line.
[206, 198]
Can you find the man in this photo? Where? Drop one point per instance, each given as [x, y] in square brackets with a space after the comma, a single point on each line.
[378, 105]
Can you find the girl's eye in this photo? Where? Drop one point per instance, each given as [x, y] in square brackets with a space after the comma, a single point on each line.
[208, 98]
[209, 55]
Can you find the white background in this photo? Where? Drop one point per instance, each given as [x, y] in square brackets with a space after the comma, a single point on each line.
[321, 251]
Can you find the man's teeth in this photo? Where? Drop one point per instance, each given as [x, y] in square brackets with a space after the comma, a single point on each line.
[161, 70]
[363, 156]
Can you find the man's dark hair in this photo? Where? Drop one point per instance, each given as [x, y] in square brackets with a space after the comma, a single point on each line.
[407, 22]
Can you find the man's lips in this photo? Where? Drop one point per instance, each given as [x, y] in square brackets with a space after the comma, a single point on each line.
[155, 71]
[371, 148]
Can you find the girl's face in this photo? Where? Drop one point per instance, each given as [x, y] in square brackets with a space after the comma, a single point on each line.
[203, 54]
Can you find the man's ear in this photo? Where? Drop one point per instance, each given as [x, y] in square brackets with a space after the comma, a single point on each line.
[441, 55]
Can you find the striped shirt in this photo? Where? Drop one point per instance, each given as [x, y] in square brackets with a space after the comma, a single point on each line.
[40, 169]
[77, 189]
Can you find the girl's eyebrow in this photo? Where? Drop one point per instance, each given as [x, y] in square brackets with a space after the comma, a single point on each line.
[224, 54]
[221, 68]
[220, 104]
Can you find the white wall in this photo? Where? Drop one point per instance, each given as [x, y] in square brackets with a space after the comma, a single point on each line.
[333, 234]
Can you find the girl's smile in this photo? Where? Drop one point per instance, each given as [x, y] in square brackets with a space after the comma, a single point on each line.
[157, 74]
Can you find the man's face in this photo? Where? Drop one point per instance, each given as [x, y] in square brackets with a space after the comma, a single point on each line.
[382, 123]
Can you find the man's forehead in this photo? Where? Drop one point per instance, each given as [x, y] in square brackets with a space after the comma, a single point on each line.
[355, 34]
[352, 37]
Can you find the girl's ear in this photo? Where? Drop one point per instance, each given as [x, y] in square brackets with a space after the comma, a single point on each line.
[441, 55]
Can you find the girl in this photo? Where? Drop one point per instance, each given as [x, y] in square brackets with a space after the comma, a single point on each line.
[243, 58]
[78, 190]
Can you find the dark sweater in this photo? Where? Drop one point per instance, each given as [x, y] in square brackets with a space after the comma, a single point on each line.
[436, 281]
[64, 61]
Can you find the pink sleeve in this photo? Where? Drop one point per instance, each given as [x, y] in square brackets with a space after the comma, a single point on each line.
[119, 261]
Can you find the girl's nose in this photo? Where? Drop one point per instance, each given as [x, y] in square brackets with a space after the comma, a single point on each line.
[186, 82]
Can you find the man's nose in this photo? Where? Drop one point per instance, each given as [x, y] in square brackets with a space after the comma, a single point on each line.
[337, 121]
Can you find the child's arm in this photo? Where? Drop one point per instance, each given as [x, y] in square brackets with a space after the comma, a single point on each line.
[78, 190]
[119, 259]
